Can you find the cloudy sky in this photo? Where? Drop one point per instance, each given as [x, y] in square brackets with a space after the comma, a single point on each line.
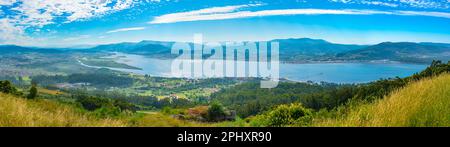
[61, 23]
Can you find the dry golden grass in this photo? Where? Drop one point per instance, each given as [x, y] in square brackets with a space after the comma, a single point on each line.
[50, 92]
[18, 112]
[423, 103]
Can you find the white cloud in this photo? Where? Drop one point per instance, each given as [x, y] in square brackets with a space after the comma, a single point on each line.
[435, 4]
[11, 34]
[425, 13]
[38, 13]
[426, 3]
[126, 29]
[379, 3]
[7, 2]
[229, 12]
[43, 11]
[192, 15]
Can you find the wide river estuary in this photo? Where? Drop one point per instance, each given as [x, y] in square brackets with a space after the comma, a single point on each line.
[317, 72]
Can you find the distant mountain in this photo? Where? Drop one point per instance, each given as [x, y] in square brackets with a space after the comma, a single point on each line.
[301, 50]
[141, 48]
[298, 50]
[435, 44]
[307, 46]
[401, 51]
[290, 49]
[6, 49]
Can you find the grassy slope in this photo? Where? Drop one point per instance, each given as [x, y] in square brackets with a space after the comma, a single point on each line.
[424, 103]
[21, 112]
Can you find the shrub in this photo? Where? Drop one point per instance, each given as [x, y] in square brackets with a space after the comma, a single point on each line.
[33, 92]
[107, 112]
[172, 111]
[285, 115]
[123, 105]
[92, 103]
[216, 112]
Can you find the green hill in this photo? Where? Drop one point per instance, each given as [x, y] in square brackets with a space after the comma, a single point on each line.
[423, 103]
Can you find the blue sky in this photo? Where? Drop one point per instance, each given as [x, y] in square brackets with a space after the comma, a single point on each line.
[60, 23]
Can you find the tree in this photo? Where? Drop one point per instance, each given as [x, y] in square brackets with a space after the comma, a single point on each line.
[93, 103]
[33, 92]
[7, 87]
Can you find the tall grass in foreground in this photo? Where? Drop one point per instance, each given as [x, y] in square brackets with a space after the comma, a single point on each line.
[20, 112]
[423, 103]
[17, 112]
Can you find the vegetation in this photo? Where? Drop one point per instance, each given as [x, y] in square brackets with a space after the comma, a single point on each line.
[16, 111]
[215, 112]
[418, 100]
[103, 62]
[284, 115]
[7, 87]
[424, 103]
[33, 92]
[248, 99]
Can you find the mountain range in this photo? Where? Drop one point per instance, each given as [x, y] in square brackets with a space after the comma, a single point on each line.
[298, 50]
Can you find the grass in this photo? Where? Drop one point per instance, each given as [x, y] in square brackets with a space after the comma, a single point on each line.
[162, 120]
[423, 103]
[50, 92]
[19, 112]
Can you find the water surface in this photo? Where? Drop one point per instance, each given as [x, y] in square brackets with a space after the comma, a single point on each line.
[317, 72]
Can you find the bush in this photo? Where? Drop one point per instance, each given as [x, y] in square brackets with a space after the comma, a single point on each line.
[123, 105]
[172, 111]
[92, 103]
[107, 112]
[285, 115]
[106, 107]
[216, 112]
[33, 92]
